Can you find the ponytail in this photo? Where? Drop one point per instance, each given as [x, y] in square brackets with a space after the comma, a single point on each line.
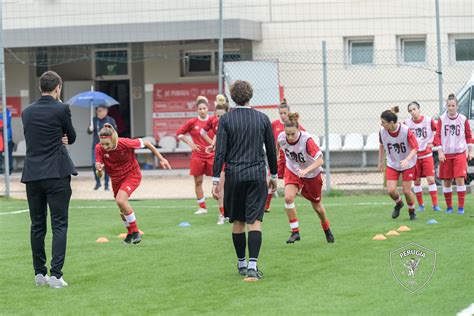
[390, 115]
[284, 105]
[292, 120]
[222, 103]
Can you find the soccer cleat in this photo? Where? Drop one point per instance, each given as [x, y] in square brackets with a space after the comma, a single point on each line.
[295, 236]
[136, 237]
[436, 208]
[200, 211]
[412, 216]
[449, 210]
[56, 283]
[461, 210]
[253, 275]
[329, 235]
[220, 220]
[41, 279]
[396, 210]
[242, 270]
[128, 239]
[267, 210]
[421, 208]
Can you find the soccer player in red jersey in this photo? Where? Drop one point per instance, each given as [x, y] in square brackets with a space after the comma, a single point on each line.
[201, 161]
[302, 171]
[453, 139]
[222, 106]
[400, 146]
[117, 155]
[424, 129]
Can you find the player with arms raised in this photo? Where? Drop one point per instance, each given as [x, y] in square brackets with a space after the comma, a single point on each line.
[117, 155]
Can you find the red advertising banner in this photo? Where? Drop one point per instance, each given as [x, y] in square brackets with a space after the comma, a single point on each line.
[175, 103]
[14, 105]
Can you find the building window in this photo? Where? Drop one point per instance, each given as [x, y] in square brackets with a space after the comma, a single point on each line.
[198, 63]
[205, 63]
[412, 50]
[111, 63]
[462, 48]
[360, 51]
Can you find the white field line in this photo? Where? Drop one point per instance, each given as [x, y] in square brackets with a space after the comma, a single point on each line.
[187, 206]
[467, 311]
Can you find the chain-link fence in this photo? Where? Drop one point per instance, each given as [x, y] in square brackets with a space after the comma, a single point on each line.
[379, 55]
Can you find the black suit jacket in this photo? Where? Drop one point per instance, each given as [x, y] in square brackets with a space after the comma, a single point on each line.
[44, 124]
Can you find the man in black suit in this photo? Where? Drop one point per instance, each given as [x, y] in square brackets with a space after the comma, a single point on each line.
[47, 174]
[241, 137]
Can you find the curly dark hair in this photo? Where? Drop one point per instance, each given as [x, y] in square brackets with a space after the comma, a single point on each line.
[241, 92]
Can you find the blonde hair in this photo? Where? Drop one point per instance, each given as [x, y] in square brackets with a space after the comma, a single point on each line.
[202, 100]
[108, 131]
[292, 120]
[221, 103]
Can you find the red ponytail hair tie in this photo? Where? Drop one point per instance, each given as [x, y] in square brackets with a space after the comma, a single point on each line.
[105, 136]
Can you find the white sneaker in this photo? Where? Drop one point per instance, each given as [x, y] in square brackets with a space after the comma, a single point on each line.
[201, 211]
[220, 220]
[41, 279]
[56, 283]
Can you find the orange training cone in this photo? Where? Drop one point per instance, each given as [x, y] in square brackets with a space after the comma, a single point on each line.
[102, 240]
[122, 236]
[141, 232]
[392, 233]
[379, 237]
[403, 229]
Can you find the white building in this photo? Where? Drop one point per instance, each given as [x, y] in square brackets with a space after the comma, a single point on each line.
[380, 53]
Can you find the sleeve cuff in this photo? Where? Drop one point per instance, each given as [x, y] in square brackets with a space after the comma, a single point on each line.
[274, 176]
[180, 136]
[215, 179]
[142, 144]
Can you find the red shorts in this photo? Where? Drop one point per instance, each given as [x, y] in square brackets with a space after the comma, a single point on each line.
[407, 175]
[201, 166]
[425, 167]
[128, 184]
[453, 167]
[310, 188]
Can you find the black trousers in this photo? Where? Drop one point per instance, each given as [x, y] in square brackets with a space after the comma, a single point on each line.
[56, 193]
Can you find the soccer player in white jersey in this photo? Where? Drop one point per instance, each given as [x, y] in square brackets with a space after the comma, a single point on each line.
[424, 129]
[453, 138]
[302, 171]
[400, 146]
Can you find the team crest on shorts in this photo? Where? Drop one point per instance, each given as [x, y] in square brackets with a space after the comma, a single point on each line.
[413, 266]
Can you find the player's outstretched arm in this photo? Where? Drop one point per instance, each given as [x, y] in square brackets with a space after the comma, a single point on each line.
[315, 165]
[163, 162]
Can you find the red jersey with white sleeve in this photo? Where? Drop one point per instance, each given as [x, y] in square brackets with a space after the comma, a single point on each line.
[398, 145]
[120, 162]
[453, 134]
[211, 125]
[300, 154]
[193, 127]
[424, 130]
[278, 126]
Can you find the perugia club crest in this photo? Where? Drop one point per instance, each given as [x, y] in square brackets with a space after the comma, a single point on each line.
[413, 266]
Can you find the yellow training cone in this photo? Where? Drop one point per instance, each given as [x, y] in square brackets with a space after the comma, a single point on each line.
[392, 233]
[102, 240]
[403, 229]
[379, 237]
[122, 235]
